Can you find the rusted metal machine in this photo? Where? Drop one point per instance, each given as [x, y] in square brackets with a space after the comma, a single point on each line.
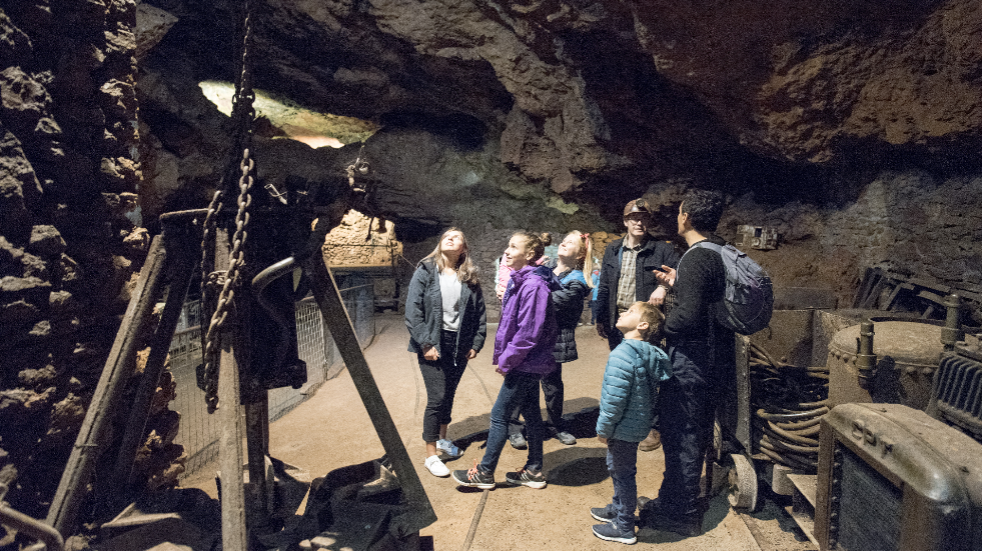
[895, 477]
[245, 253]
[770, 414]
[896, 366]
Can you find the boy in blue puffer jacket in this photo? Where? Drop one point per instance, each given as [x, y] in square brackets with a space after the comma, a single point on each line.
[634, 371]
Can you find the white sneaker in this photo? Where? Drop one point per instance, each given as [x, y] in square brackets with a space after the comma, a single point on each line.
[436, 467]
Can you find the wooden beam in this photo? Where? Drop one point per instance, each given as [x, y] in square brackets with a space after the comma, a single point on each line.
[91, 441]
[336, 318]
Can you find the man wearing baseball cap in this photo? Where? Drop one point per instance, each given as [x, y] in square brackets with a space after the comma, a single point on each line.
[627, 275]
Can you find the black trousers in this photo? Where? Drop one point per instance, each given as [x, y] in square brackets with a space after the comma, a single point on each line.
[554, 393]
[441, 378]
[687, 407]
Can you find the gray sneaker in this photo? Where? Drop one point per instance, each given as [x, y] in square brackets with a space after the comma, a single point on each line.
[604, 514]
[518, 441]
[525, 477]
[474, 478]
[610, 532]
[566, 438]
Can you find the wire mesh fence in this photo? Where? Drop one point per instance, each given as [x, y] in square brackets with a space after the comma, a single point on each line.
[199, 431]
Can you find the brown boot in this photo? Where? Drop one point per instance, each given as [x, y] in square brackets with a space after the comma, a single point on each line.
[651, 443]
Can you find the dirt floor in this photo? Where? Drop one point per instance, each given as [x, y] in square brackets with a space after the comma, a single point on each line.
[332, 430]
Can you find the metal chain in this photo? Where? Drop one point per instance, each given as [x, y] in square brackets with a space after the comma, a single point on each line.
[244, 114]
[209, 339]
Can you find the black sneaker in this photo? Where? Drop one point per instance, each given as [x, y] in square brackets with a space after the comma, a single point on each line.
[474, 478]
[688, 528]
[518, 441]
[525, 477]
[604, 514]
[610, 532]
[566, 438]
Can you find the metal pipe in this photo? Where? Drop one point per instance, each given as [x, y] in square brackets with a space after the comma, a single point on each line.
[792, 417]
[48, 537]
[782, 445]
[797, 438]
[793, 461]
[952, 330]
[865, 358]
[259, 284]
[181, 214]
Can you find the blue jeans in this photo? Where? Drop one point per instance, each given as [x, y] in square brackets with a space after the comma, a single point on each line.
[622, 464]
[519, 390]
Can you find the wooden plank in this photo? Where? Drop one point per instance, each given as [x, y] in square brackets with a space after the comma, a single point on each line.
[930, 284]
[806, 484]
[874, 292]
[893, 296]
[234, 529]
[864, 286]
[179, 269]
[91, 441]
[339, 324]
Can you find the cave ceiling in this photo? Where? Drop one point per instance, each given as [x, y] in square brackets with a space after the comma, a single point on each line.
[580, 105]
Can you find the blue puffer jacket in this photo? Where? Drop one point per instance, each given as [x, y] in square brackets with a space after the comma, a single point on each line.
[630, 390]
[568, 302]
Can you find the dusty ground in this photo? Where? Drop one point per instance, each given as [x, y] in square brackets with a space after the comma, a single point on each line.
[332, 430]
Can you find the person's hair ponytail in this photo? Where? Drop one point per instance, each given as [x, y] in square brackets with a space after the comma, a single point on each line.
[586, 251]
[535, 242]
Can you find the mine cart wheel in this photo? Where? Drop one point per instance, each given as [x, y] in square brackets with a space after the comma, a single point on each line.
[743, 483]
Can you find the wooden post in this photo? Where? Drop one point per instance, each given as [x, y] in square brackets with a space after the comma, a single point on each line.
[336, 317]
[234, 529]
[179, 269]
[91, 440]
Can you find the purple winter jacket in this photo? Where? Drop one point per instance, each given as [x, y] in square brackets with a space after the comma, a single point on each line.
[527, 331]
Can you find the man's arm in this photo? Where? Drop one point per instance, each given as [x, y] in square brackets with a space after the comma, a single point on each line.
[692, 291]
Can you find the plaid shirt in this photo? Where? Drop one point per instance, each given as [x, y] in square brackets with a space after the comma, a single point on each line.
[627, 283]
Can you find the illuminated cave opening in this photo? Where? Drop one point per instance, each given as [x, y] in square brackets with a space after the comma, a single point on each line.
[295, 121]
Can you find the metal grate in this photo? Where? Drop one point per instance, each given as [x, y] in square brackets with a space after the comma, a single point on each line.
[958, 388]
[199, 431]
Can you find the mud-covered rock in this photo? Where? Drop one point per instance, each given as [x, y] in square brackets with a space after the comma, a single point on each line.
[46, 241]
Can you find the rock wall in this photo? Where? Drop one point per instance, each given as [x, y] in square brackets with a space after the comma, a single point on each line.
[69, 247]
[362, 241]
[910, 221]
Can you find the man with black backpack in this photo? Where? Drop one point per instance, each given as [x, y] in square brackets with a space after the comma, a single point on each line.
[701, 350]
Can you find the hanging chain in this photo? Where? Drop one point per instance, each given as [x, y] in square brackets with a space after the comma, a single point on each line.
[243, 111]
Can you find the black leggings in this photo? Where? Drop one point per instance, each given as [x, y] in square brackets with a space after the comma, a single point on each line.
[441, 378]
[554, 393]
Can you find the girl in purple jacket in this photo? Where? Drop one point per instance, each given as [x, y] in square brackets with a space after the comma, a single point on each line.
[523, 349]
